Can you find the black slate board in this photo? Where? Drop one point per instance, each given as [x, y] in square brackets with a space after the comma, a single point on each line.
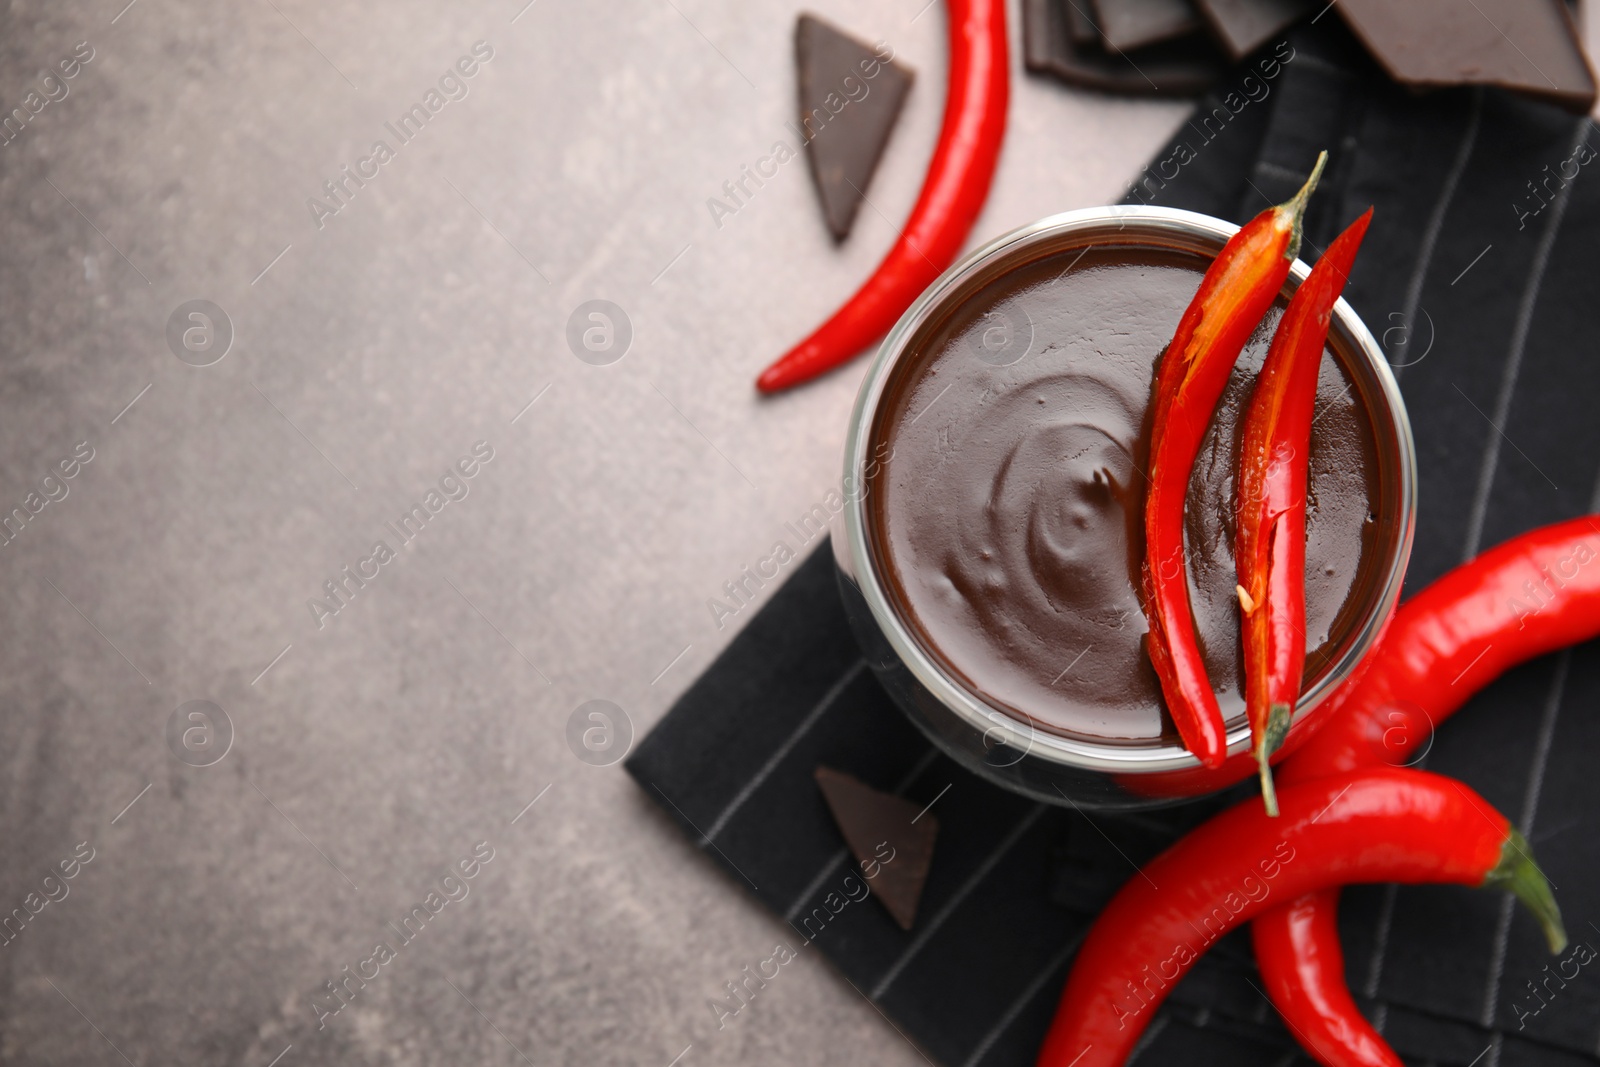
[1485, 298]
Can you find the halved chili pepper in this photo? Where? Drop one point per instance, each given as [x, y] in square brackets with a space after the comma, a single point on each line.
[952, 195]
[1235, 293]
[1269, 547]
[1378, 825]
[1529, 596]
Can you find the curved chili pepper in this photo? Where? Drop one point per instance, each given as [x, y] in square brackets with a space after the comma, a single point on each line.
[952, 195]
[1235, 293]
[1533, 594]
[1378, 825]
[1529, 596]
[1302, 938]
[1270, 542]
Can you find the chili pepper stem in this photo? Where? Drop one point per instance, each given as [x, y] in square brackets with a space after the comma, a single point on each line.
[1278, 717]
[1271, 740]
[1269, 792]
[1518, 873]
[1296, 207]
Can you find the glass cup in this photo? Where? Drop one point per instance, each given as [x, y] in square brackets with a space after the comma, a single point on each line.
[992, 741]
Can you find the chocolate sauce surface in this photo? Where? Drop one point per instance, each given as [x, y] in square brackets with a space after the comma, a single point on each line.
[1007, 517]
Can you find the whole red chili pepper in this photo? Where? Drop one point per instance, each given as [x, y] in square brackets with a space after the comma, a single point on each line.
[1302, 940]
[1235, 293]
[1270, 542]
[1378, 825]
[1533, 594]
[1529, 596]
[952, 195]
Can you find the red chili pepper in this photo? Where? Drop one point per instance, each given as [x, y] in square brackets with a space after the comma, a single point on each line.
[1302, 938]
[1532, 595]
[1235, 293]
[1378, 825]
[1270, 542]
[952, 195]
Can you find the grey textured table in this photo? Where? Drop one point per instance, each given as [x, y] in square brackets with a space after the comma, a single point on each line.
[372, 348]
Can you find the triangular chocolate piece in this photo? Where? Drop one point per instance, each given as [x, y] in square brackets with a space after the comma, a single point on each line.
[1530, 46]
[850, 97]
[870, 820]
[1129, 24]
[1245, 25]
[1080, 23]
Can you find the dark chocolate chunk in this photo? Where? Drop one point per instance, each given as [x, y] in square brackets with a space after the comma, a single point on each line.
[887, 834]
[1245, 25]
[1129, 24]
[1186, 67]
[850, 97]
[1530, 46]
[1080, 22]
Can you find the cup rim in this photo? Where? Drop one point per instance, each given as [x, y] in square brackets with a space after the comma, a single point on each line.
[992, 721]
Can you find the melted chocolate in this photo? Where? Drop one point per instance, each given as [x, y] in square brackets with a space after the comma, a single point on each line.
[1008, 517]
